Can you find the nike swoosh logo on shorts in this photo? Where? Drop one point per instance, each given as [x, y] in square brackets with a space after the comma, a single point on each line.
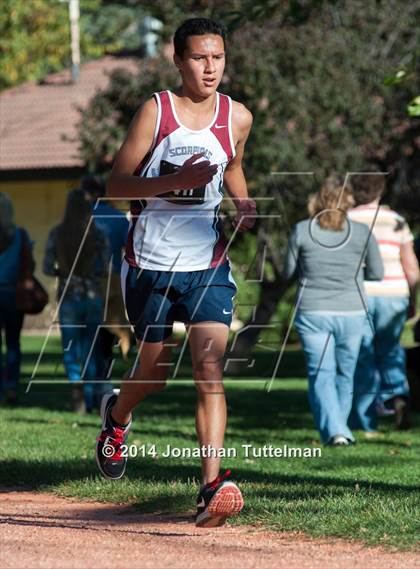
[201, 504]
[220, 126]
[224, 312]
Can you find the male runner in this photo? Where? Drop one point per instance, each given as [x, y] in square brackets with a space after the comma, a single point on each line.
[181, 147]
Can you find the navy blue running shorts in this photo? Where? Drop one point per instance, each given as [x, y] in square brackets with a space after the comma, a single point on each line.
[155, 299]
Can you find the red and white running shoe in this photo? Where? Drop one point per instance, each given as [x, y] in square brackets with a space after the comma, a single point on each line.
[217, 501]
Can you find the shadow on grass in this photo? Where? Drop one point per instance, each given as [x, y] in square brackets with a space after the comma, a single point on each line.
[248, 408]
[250, 405]
[46, 475]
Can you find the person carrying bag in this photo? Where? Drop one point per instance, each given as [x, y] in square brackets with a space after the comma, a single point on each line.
[31, 296]
[16, 289]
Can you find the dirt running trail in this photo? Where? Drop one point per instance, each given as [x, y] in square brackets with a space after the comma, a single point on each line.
[44, 531]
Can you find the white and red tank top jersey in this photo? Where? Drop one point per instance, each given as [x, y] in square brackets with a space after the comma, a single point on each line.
[180, 230]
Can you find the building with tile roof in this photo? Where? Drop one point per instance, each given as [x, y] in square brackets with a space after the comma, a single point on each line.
[38, 121]
[39, 158]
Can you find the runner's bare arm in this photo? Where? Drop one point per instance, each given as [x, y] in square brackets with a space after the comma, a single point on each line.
[123, 184]
[234, 178]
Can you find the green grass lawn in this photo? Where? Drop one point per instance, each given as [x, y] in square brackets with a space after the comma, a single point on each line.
[369, 492]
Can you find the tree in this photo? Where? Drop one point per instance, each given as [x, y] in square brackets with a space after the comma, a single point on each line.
[33, 39]
[35, 35]
[322, 106]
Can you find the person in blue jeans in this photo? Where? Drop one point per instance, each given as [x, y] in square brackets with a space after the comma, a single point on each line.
[381, 368]
[79, 268]
[14, 245]
[381, 377]
[331, 256]
[114, 224]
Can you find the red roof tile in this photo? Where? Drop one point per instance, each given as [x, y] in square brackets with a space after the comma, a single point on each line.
[35, 117]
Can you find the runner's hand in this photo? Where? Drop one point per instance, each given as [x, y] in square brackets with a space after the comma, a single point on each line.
[195, 175]
[245, 214]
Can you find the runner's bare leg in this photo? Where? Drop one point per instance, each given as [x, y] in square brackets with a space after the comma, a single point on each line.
[149, 376]
[208, 342]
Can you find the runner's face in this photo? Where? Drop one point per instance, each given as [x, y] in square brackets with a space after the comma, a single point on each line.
[203, 64]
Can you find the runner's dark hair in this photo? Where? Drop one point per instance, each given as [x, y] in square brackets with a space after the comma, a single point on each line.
[196, 27]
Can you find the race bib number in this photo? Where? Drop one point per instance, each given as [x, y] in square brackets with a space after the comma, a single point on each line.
[181, 197]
